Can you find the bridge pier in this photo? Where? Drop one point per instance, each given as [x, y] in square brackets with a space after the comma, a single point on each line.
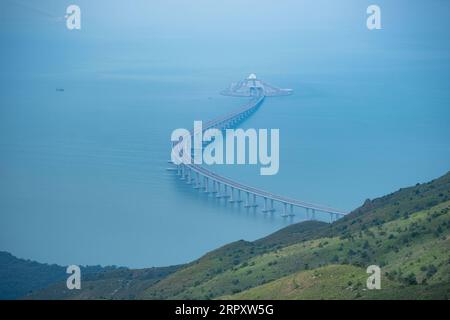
[214, 190]
[292, 211]
[197, 181]
[247, 202]
[284, 210]
[265, 205]
[254, 201]
[313, 214]
[239, 200]
[218, 190]
[334, 217]
[187, 170]
[189, 174]
[206, 184]
[225, 191]
[182, 172]
[266, 208]
[231, 195]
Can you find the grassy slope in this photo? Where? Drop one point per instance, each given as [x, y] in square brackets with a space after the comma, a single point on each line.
[225, 258]
[369, 235]
[406, 251]
[19, 277]
[406, 233]
[399, 204]
[401, 247]
[329, 282]
[117, 284]
[336, 282]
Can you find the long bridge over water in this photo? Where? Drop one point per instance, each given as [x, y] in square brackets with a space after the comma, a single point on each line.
[222, 187]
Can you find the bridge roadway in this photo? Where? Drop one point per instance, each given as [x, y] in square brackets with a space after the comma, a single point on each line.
[202, 176]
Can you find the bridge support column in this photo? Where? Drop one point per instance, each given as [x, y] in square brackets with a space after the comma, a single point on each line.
[292, 211]
[254, 201]
[313, 214]
[239, 200]
[265, 205]
[247, 202]
[189, 174]
[179, 170]
[206, 184]
[225, 191]
[284, 210]
[218, 190]
[214, 190]
[272, 208]
[197, 181]
[182, 172]
[231, 194]
[307, 214]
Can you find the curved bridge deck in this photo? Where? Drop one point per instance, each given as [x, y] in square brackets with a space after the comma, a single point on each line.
[211, 182]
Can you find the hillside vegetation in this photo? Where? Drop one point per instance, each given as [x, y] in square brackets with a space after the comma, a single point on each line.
[406, 233]
[117, 284]
[19, 277]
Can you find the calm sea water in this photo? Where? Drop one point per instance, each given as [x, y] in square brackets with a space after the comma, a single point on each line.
[83, 175]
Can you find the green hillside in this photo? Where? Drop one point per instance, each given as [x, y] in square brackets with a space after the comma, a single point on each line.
[337, 282]
[19, 277]
[117, 284]
[411, 257]
[406, 233]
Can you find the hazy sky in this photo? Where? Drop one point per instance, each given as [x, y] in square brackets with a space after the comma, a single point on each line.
[210, 33]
